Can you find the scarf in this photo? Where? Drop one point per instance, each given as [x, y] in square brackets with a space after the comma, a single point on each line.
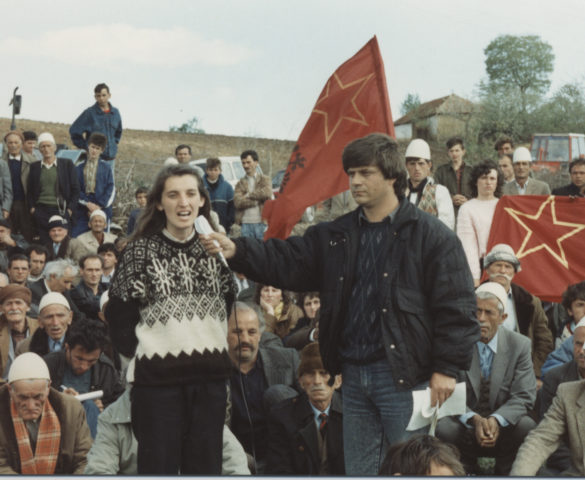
[278, 311]
[427, 201]
[49, 438]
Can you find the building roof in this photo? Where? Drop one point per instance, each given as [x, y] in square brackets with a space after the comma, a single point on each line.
[451, 104]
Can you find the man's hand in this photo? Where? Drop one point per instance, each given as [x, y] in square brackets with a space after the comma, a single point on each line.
[6, 239]
[459, 200]
[487, 431]
[70, 391]
[442, 386]
[226, 246]
[99, 404]
[92, 206]
[6, 213]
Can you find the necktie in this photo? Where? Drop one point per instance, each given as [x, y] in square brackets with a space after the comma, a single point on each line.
[323, 424]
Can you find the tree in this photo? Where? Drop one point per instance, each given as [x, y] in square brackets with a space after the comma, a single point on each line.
[410, 103]
[190, 126]
[523, 62]
[564, 112]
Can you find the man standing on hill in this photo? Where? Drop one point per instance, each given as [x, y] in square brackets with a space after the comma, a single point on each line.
[455, 175]
[250, 194]
[101, 117]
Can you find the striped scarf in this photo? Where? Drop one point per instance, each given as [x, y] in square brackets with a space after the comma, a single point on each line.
[44, 460]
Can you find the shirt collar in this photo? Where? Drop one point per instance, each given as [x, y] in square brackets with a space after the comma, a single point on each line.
[317, 412]
[362, 216]
[493, 343]
[17, 157]
[170, 236]
[54, 164]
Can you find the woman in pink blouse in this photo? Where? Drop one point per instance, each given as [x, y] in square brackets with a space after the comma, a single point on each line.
[475, 216]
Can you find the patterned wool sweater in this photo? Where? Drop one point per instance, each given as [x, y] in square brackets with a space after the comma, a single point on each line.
[168, 310]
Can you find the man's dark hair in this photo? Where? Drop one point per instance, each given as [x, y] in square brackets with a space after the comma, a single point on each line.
[381, 151]
[455, 141]
[140, 190]
[249, 153]
[508, 156]
[575, 162]
[213, 163]
[180, 147]
[89, 334]
[502, 141]
[484, 168]
[108, 247]
[98, 139]
[100, 86]
[415, 456]
[16, 257]
[90, 256]
[29, 135]
[572, 293]
[38, 249]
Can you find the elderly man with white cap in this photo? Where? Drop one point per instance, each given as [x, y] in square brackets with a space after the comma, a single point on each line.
[42, 432]
[87, 243]
[525, 312]
[55, 316]
[501, 389]
[53, 187]
[522, 183]
[422, 189]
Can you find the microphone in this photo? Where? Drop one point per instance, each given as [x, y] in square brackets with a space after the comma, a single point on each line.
[203, 228]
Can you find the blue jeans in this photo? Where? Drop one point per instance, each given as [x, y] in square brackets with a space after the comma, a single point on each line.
[92, 413]
[254, 230]
[375, 415]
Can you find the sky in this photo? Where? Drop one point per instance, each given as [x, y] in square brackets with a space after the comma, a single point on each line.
[256, 67]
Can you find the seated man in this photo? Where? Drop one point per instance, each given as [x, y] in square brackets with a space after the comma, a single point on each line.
[58, 276]
[10, 243]
[258, 368]
[524, 311]
[82, 367]
[96, 184]
[60, 241]
[109, 255]
[38, 257]
[422, 455]
[89, 242]
[140, 196]
[563, 420]
[115, 448]
[568, 372]
[15, 326]
[306, 432]
[501, 388]
[86, 295]
[54, 319]
[18, 268]
[42, 432]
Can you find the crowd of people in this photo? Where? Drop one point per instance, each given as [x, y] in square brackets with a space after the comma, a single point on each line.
[148, 353]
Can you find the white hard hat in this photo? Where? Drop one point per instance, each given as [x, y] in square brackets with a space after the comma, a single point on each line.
[522, 154]
[418, 148]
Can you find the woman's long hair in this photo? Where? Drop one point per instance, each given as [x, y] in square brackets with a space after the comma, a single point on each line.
[152, 220]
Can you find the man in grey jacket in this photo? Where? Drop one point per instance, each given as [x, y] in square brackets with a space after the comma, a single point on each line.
[114, 450]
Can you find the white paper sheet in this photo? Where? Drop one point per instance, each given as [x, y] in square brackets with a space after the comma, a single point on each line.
[422, 410]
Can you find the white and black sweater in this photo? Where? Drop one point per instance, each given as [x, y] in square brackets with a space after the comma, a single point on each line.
[168, 308]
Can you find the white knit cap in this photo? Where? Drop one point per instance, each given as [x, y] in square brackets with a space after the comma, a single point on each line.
[98, 212]
[53, 298]
[28, 366]
[170, 161]
[46, 137]
[418, 148]
[495, 289]
[502, 252]
[522, 154]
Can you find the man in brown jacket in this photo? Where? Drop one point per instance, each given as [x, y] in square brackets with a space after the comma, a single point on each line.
[15, 325]
[42, 432]
[525, 312]
[249, 196]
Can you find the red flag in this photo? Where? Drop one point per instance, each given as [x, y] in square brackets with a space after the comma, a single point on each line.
[548, 236]
[353, 104]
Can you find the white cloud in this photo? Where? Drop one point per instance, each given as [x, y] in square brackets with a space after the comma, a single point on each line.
[118, 44]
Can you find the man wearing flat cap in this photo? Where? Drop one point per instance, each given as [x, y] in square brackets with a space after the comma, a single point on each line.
[55, 316]
[306, 432]
[42, 432]
[88, 243]
[525, 312]
[501, 390]
[15, 325]
[53, 187]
